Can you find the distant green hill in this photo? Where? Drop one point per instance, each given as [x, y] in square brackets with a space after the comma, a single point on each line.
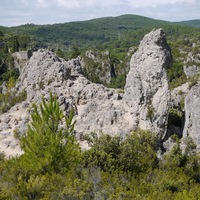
[192, 23]
[88, 33]
[98, 33]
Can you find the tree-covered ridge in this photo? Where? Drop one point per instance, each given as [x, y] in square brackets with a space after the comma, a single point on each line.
[54, 167]
[85, 33]
[90, 33]
[192, 23]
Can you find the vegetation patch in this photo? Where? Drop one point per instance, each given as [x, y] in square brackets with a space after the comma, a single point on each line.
[10, 98]
[176, 117]
[150, 112]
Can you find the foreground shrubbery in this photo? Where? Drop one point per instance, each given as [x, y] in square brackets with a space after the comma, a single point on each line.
[54, 167]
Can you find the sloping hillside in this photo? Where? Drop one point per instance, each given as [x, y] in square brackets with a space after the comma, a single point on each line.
[193, 23]
[85, 33]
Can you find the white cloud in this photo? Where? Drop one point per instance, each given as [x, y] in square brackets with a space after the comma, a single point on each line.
[86, 4]
[24, 2]
[76, 4]
[42, 4]
[155, 3]
[68, 4]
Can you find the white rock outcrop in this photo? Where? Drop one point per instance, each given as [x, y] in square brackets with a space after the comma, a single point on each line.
[144, 103]
[146, 90]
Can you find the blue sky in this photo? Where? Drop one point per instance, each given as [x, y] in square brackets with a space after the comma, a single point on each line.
[17, 12]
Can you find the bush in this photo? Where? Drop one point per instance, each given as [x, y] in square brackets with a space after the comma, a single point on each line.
[150, 112]
[47, 143]
[9, 99]
[16, 133]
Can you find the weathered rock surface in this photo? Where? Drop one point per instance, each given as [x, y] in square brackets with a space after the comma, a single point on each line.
[192, 65]
[178, 94]
[21, 58]
[13, 122]
[192, 115]
[44, 72]
[144, 103]
[176, 107]
[146, 90]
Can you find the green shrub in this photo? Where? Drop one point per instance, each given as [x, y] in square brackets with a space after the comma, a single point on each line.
[182, 103]
[16, 133]
[180, 92]
[193, 82]
[176, 117]
[9, 99]
[150, 112]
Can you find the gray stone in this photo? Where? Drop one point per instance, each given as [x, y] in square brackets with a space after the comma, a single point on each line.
[192, 65]
[192, 115]
[146, 90]
[6, 119]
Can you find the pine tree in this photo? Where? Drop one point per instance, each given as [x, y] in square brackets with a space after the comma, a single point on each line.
[75, 52]
[1, 33]
[6, 49]
[47, 146]
[15, 45]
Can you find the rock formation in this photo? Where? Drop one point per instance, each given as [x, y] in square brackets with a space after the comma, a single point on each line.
[192, 65]
[192, 115]
[146, 90]
[144, 103]
[21, 58]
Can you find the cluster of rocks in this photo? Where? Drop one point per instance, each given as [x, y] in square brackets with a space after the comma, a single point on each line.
[144, 103]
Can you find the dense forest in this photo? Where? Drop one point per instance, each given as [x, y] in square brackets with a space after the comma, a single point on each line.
[191, 23]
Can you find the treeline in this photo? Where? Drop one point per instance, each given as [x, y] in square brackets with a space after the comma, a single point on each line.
[87, 34]
[98, 33]
[54, 167]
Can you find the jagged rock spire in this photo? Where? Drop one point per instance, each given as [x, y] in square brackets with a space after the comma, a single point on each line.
[146, 90]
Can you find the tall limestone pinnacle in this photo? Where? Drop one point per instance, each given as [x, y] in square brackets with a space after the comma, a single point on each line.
[146, 89]
[144, 103]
